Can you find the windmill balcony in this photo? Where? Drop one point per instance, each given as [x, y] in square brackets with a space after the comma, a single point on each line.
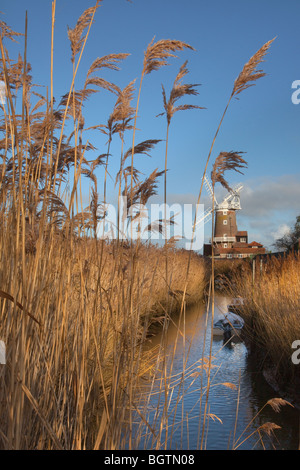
[223, 239]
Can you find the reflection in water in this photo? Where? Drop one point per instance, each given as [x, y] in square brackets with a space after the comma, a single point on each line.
[175, 419]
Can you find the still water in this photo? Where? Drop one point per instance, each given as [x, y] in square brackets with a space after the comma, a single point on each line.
[237, 393]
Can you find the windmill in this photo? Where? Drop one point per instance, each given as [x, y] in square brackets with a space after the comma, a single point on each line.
[225, 222]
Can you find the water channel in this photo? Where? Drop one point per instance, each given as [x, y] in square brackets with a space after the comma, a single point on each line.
[236, 395]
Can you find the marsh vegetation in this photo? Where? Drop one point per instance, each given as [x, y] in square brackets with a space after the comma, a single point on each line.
[76, 309]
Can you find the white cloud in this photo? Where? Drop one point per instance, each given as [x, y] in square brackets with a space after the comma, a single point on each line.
[282, 230]
[262, 198]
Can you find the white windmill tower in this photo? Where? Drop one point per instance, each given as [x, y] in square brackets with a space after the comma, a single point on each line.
[225, 228]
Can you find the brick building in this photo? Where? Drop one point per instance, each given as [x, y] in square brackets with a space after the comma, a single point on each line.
[229, 242]
[235, 250]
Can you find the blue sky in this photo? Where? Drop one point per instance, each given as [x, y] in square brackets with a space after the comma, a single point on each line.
[264, 123]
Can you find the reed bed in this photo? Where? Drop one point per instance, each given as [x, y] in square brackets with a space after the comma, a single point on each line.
[71, 365]
[76, 310]
[271, 311]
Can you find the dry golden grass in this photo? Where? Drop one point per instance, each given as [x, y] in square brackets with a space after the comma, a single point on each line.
[79, 369]
[272, 308]
[75, 312]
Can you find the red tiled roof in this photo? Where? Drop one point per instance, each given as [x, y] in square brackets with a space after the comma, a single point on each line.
[243, 233]
[242, 250]
[255, 244]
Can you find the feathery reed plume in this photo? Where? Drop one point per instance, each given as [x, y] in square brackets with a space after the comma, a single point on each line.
[224, 162]
[110, 62]
[98, 161]
[122, 116]
[17, 75]
[74, 108]
[77, 45]
[57, 211]
[277, 403]
[7, 32]
[123, 111]
[143, 148]
[157, 53]
[94, 204]
[75, 34]
[250, 73]
[142, 191]
[178, 91]
[155, 57]
[268, 428]
[147, 188]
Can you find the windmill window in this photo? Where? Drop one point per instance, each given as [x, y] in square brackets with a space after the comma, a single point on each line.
[225, 245]
[224, 222]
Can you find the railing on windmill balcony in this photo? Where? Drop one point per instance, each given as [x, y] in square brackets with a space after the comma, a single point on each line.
[223, 239]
